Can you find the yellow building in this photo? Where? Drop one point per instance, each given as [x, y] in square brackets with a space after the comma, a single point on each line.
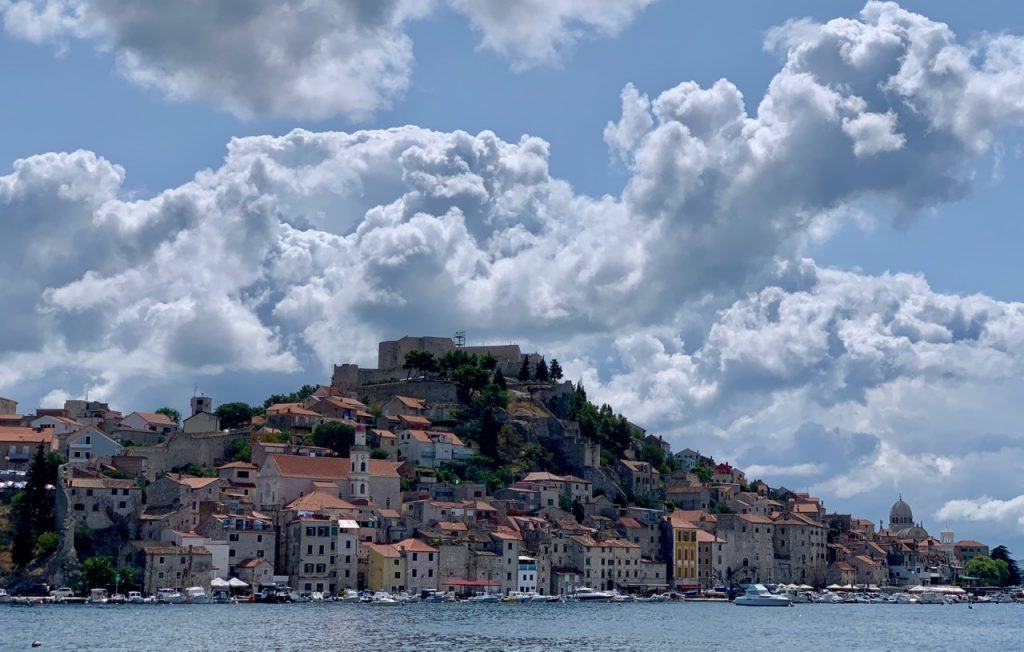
[385, 568]
[684, 551]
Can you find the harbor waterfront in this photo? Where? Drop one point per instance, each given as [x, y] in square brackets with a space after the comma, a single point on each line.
[490, 626]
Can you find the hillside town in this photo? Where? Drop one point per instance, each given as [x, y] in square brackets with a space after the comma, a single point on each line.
[447, 469]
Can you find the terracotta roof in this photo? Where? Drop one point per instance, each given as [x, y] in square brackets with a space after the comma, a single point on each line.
[679, 519]
[334, 468]
[630, 522]
[755, 518]
[238, 465]
[19, 435]
[415, 403]
[707, 537]
[252, 562]
[843, 566]
[453, 526]
[382, 549]
[970, 542]
[414, 419]
[156, 417]
[384, 434]
[506, 536]
[696, 515]
[291, 408]
[389, 513]
[639, 467]
[318, 500]
[191, 482]
[415, 545]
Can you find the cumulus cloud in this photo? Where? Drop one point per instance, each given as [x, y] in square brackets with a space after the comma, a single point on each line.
[685, 300]
[533, 32]
[297, 58]
[984, 509]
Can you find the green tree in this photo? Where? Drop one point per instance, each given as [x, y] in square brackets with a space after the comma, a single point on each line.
[335, 435]
[993, 572]
[556, 369]
[488, 362]
[98, 572]
[238, 450]
[46, 543]
[541, 372]
[171, 413]
[468, 380]
[84, 544]
[297, 396]
[23, 543]
[1001, 553]
[565, 502]
[577, 511]
[234, 415]
[421, 361]
[489, 435]
[456, 358]
[703, 472]
[378, 454]
[653, 455]
[129, 577]
[524, 369]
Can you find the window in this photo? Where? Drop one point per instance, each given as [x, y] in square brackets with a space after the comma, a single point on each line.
[88, 492]
[79, 507]
[259, 538]
[113, 492]
[414, 574]
[430, 572]
[122, 505]
[415, 556]
[309, 549]
[398, 575]
[259, 554]
[95, 507]
[307, 568]
[321, 568]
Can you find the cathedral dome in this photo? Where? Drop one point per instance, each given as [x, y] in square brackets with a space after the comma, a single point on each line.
[900, 516]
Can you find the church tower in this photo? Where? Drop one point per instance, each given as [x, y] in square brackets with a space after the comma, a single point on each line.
[359, 466]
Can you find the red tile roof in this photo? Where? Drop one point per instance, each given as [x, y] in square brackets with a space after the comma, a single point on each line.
[19, 435]
[334, 468]
[318, 500]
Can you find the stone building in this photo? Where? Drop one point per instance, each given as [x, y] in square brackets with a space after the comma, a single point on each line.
[102, 502]
[168, 566]
[249, 536]
[748, 552]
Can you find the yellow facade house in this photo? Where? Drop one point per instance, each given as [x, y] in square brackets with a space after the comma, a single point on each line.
[684, 551]
[385, 568]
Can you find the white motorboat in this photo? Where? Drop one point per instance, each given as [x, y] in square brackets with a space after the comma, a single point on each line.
[316, 596]
[197, 595]
[932, 597]
[350, 595]
[5, 597]
[134, 597]
[537, 597]
[98, 596]
[381, 599]
[430, 595]
[587, 594]
[485, 597]
[169, 596]
[759, 596]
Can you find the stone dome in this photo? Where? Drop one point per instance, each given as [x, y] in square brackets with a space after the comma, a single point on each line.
[914, 532]
[900, 516]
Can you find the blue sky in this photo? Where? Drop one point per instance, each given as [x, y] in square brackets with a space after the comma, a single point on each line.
[701, 322]
[77, 100]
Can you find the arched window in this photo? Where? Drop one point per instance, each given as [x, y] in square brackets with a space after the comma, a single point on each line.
[362, 467]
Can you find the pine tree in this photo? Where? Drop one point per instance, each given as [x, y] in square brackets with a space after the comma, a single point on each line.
[556, 369]
[541, 372]
[499, 379]
[489, 435]
[524, 370]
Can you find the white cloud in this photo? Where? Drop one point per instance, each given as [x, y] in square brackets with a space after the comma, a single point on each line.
[684, 300]
[297, 58]
[533, 32]
[984, 509]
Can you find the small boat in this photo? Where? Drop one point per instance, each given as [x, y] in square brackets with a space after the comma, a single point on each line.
[197, 595]
[5, 598]
[134, 597]
[587, 594]
[59, 595]
[430, 595]
[98, 596]
[349, 595]
[316, 596]
[118, 598]
[759, 596]
[485, 597]
[381, 599]
[169, 596]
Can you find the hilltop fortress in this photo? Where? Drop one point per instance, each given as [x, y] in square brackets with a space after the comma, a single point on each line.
[391, 358]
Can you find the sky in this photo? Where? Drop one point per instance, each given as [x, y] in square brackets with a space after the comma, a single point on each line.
[782, 233]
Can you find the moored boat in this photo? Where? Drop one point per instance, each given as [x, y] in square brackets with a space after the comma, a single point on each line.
[757, 595]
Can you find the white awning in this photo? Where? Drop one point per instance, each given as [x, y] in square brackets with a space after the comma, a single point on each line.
[219, 583]
[236, 583]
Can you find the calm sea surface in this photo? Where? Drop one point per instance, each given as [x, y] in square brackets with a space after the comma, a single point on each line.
[570, 626]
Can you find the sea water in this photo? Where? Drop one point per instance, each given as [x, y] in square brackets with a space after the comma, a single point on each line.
[449, 627]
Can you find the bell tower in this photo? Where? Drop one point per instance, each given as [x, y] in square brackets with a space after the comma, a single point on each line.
[359, 466]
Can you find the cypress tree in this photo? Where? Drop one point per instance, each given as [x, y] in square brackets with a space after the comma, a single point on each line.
[524, 370]
[541, 373]
[556, 369]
